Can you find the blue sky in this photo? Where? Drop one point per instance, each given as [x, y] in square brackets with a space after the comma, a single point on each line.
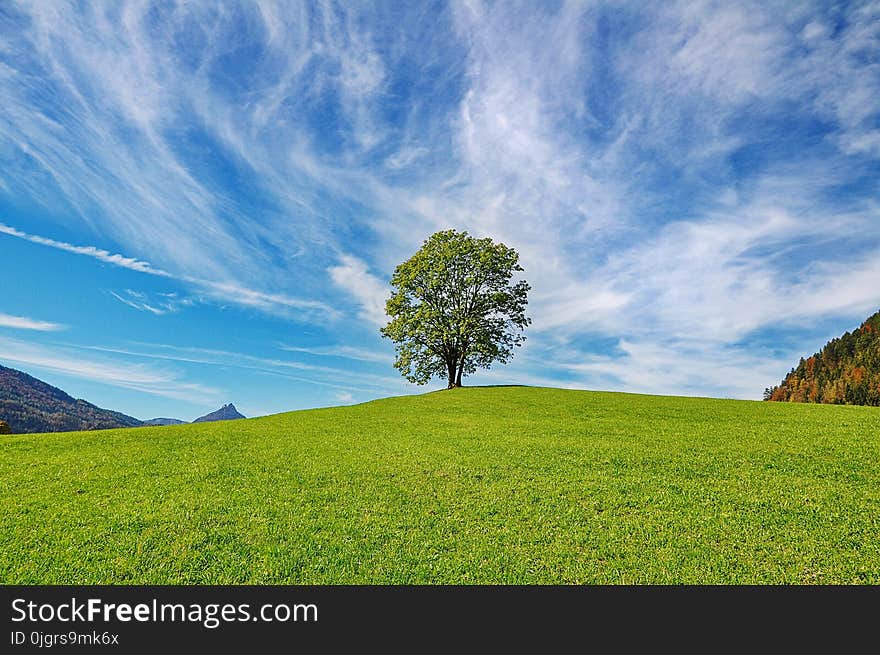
[203, 202]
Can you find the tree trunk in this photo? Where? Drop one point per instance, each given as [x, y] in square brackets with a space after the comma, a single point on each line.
[458, 376]
[450, 365]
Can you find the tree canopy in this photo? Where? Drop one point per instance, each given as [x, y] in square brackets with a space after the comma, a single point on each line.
[455, 308]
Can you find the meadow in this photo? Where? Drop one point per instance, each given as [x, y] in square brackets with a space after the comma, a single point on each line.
[473, 485]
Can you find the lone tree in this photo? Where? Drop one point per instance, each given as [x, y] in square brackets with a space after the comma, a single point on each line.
[4, 428]
[454, 308]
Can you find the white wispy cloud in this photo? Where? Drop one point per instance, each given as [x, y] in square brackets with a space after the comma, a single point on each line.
[406, 156]
[105, 256]
[136, 377]
[223, 291]
[115, 90]
[339, 378]
[353, 276]
[237, 294]
[685, 368]
[24, 323]
[343, 351]
[157, 304]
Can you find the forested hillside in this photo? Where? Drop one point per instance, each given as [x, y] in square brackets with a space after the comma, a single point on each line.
[30, 405]
[845, 371]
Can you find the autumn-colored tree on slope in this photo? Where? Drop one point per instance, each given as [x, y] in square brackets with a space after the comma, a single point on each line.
[845, 372]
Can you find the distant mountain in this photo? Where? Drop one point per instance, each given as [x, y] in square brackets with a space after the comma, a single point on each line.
[31, 405]
[845, 372]
[225, 413]
[164, 421]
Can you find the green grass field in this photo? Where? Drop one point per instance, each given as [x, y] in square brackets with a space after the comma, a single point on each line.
[477, 485]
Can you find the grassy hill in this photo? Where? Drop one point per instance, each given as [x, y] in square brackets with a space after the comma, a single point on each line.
[476, 485]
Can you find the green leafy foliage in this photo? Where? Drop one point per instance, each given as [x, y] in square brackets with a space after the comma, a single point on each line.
[476, 485]
[845, 372]
[455, 308]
